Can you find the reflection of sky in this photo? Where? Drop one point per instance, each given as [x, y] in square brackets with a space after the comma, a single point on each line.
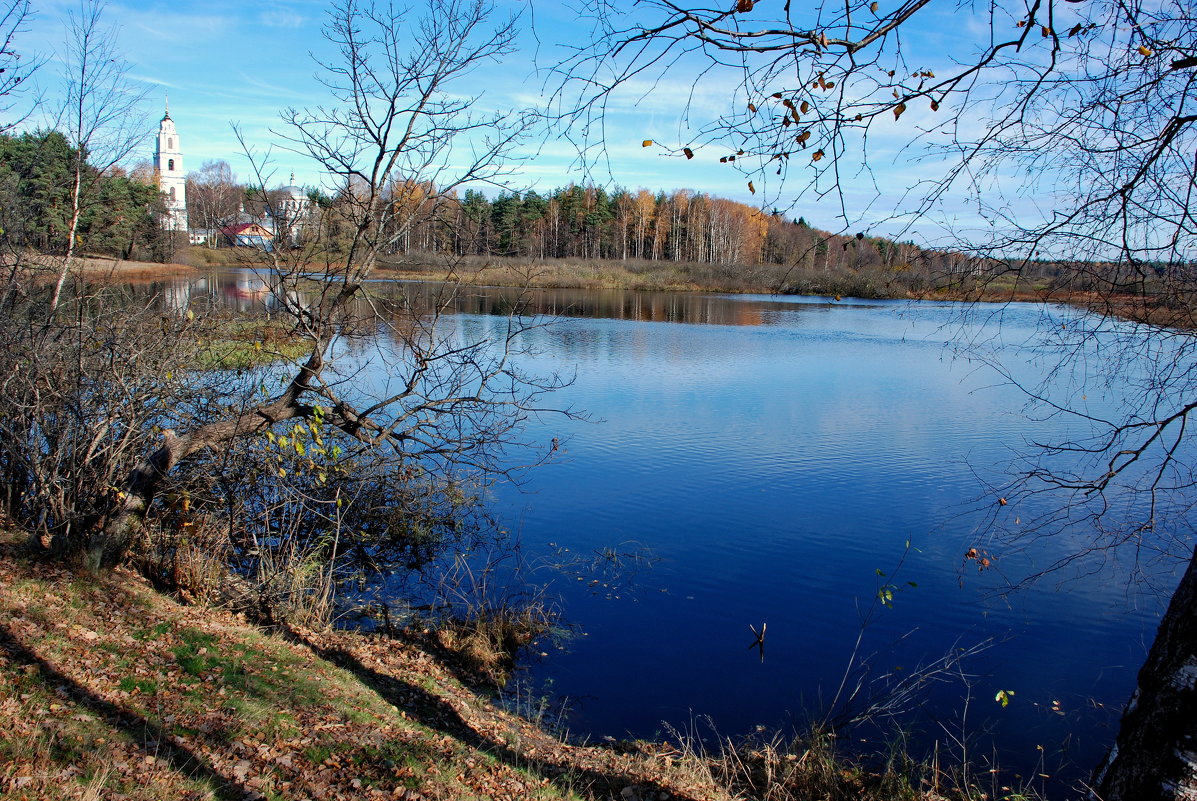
[774, 469]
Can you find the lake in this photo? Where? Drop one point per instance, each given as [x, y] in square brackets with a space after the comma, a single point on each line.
[757, 460]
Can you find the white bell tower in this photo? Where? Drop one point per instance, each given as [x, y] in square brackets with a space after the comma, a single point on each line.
[168, 162]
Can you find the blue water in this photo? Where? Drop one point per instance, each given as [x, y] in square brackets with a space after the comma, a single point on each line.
[771, 470]
[755, 460]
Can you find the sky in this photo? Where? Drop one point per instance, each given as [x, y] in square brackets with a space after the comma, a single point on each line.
[227, 62]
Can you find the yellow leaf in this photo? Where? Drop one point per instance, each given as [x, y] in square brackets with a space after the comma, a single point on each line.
[1045, 31]
[751, 188]
[647, 143]
[1145, 50]
[898, 109]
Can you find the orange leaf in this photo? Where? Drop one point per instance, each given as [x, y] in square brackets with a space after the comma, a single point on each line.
[818, 154]
[898, 109]
[752, 108]
[647, 143]
[751, 188]
[689, 153]
[1145, 50]
[805, 107]
[935, 105]
[874, 7]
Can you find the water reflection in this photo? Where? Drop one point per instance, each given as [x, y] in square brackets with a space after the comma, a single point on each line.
[774, 453]
[244, 290]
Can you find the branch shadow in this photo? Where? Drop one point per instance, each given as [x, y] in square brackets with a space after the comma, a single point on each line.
[151, 739]
[438, 714]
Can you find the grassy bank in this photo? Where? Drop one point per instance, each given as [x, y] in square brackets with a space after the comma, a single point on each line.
[871, 282]
[109, 689]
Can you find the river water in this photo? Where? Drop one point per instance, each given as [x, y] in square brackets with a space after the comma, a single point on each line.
[757, 461]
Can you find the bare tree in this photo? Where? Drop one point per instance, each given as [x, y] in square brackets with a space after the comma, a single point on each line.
[214, 195]
[100, 116]
[449, 403]
[14, 69]
[1069, 129]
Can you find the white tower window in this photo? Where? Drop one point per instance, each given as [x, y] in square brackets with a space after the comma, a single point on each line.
[170, 165]
[170, 143]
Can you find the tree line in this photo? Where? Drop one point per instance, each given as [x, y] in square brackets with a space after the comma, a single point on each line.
[576, 221]
[120, 216]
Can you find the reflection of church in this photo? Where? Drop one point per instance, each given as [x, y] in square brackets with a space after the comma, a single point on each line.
[283, 217]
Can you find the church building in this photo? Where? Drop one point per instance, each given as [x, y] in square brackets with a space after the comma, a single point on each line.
[168, 163]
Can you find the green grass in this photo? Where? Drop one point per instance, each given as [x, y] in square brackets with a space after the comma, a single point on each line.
[239, 344]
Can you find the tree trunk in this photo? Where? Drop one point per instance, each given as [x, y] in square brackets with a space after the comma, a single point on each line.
[1155, 755]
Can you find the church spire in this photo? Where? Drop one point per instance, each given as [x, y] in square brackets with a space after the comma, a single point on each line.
[167, 115]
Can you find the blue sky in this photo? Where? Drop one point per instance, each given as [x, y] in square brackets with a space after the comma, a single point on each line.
[225, 61]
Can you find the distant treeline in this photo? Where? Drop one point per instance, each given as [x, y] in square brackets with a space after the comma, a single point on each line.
[120, 213]
[589, 222]
[714, 242]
